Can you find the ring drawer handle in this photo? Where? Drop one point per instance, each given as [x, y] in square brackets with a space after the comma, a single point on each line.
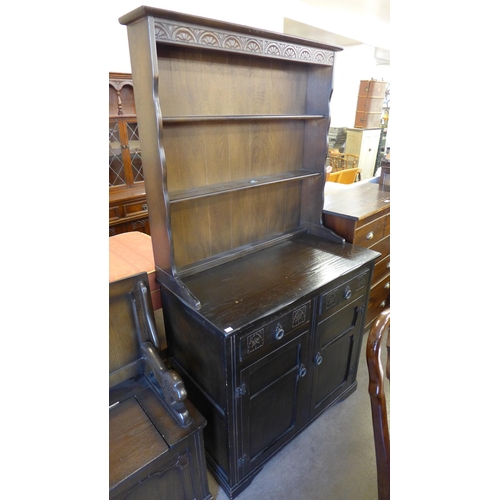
[347, 293]
[279, 334]
[369, 236]
[303, 371]
[318, 359]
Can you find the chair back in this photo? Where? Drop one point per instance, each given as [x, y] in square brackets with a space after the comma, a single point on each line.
[348, 176]
[342, 161]
[376, 377]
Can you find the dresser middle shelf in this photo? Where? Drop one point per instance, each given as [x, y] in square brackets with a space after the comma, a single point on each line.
[237, 185]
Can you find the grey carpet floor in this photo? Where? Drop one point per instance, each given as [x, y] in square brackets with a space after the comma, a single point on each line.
[332, 459]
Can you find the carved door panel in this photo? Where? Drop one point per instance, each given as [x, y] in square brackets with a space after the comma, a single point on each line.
[334, 356]
[271, 395]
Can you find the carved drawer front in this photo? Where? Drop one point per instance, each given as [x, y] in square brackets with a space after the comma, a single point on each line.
[332, 300]
[275, 333]
[379, 299]
[382, 269]
[367, 235]
[136, 208]
[114, 213]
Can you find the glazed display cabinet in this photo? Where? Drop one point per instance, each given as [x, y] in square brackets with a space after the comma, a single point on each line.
[128, 209]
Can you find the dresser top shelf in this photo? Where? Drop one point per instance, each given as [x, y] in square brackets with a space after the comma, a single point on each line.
[357, 200]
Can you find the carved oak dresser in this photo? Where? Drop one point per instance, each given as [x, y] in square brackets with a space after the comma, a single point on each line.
[263, 305]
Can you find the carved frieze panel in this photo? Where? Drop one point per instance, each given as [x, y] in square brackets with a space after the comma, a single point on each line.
[171, 32]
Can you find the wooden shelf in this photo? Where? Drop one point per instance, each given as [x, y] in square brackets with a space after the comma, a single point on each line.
[213, 118]
[226, 187]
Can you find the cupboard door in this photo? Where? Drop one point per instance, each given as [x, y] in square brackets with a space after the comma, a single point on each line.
[271, 394]
[335, 356]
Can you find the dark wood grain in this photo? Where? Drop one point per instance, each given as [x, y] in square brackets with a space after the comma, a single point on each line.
[379, 332]
[239, 292]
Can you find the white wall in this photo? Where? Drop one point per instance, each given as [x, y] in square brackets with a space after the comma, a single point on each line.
[353, 64]
[264, 14]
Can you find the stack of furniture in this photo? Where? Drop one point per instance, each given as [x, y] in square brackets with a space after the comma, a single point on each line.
[128, 209]
[364, 139]
[156, 448]
[370, 104]
[361, 214]
[264, 307]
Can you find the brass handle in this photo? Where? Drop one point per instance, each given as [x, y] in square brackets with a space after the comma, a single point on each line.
[279, 334]
[370, 235]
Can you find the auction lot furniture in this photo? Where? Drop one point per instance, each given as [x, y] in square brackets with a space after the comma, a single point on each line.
[155, 434]
[263, 306]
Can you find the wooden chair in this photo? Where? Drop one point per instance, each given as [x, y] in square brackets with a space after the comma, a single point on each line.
[348, 176]
[342, 161]
[377, 399]
[333, 177]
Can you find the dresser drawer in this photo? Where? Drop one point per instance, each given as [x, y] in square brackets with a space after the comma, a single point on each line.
[383, 246]
[379, 299]
[137, 208]
[332, 300]
[275, 332]
[382, 269]
[114, 213]
[370, 233]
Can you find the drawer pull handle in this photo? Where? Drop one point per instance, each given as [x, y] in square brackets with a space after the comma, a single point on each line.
[388, 265]
[145, 206]
[382, 304]
[280, 333]
[369, 236]
[387, 286]
[303, 371]
[318, 359]
[347, 293]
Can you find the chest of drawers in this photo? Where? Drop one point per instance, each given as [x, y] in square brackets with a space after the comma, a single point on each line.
[361, 214]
